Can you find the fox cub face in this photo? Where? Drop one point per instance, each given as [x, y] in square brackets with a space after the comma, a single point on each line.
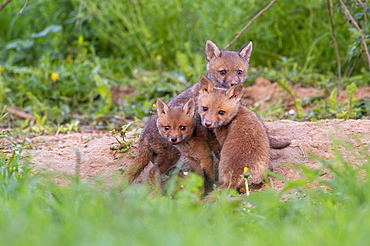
[227, 68]
[176, 124]
[217, 106]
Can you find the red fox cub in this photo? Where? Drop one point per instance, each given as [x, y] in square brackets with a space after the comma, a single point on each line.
[180, 126]
[224, 68]
[240, 133]
[151, 146]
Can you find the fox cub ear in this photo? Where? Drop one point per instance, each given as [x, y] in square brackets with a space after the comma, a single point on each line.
[212, 51]
[162, 107]
[246, 51]
[189, 107]
[205, 86]
[235, 92]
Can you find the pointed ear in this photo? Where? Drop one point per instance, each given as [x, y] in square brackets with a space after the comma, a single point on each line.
[246, 52]
[189, 107]
[235, 92]
[205, 85]
[212, 51]
[162, 107]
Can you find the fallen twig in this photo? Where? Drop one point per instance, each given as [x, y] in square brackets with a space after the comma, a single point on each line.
[20, 114]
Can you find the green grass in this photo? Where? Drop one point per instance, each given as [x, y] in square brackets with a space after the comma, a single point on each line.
[310, 211]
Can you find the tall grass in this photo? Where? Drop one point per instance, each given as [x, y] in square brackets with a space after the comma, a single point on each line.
[311, 211]
[142, 30]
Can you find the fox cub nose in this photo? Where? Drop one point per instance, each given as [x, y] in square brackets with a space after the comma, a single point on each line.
[173, 140]
[207, 123]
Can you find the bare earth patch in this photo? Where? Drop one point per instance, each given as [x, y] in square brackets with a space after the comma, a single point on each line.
[93, 151]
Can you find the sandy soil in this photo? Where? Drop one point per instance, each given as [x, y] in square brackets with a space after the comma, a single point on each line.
[93, 151]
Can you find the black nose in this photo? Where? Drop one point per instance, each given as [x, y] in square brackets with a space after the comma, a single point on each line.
[208, 124]
[173, 140]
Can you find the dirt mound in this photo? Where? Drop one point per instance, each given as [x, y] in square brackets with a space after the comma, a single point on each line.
[264, 93]
[95, 157]
[319, 139]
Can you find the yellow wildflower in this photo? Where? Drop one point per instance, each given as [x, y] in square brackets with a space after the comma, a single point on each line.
[54, 77]
[154, 105]
[246, 174]
[159, 57]
[1, 69]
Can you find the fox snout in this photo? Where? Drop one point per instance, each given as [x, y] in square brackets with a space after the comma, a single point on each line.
[232, 81]
[208, 124]
[229, 83]
[174, 140]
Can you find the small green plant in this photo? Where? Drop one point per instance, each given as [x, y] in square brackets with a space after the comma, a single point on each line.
[351, 108]
[14, 171]
[297, 102]
[124, 145]
[69, 127]
[350, 93]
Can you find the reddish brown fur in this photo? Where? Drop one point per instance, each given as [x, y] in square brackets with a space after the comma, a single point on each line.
[226, 68]
[242, 136]
[179, 126]
[153, 147]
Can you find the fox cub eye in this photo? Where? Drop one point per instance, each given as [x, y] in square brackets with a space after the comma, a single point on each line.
[221, 112]
[166, 128]
[205, 109]
[222, 72]
[239, 72]
[182, 128]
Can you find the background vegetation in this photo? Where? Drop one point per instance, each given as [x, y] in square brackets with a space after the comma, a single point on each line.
[59, 61]
[157, 48]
